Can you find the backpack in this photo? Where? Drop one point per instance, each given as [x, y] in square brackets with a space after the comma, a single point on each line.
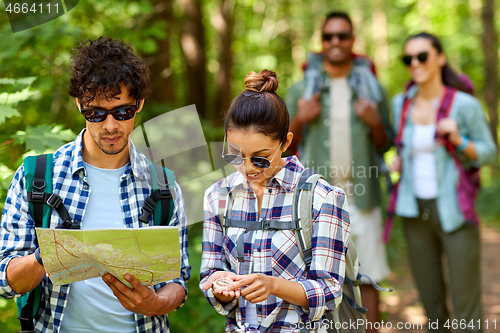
[468, 181]
[38, 172]
[350, 309]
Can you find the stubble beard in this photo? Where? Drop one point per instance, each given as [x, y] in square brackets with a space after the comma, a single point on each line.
[97, 140]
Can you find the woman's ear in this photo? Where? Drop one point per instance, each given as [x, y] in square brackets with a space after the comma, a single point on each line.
[288, 142]
[442, 59]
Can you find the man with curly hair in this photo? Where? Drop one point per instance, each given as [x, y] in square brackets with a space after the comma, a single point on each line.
[103, 181]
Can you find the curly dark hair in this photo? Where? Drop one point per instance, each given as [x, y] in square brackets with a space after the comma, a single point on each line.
[100, 66]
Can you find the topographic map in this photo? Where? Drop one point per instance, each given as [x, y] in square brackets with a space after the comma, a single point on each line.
[151, 254]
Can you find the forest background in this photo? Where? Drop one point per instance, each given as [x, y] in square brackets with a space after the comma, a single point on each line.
[199, 52]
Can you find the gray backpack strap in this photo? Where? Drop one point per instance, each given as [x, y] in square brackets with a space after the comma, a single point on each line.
[225, 205]
[302, 211]
[352, 279]
[260, 225]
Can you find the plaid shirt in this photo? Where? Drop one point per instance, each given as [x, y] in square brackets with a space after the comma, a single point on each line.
[275, 253]
[17, 232]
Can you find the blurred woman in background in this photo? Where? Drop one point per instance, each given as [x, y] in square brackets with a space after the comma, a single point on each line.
[443, 137]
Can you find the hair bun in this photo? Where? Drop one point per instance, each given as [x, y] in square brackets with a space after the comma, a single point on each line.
[264, 81]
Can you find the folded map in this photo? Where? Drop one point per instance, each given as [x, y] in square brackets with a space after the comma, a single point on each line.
[150, 254]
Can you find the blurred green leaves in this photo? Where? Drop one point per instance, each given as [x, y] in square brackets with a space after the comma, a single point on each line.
[38, 138]
[8, 316]
[44, 136]
[9, 98]
[7, 111]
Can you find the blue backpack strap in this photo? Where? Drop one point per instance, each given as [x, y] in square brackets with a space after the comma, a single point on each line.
[160, 180]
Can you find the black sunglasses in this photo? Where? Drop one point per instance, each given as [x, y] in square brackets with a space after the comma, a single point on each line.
[125, 112]
[342, 36]
[237, 159]
[421, 57]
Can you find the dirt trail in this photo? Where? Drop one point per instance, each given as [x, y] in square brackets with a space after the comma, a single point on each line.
[402, 305]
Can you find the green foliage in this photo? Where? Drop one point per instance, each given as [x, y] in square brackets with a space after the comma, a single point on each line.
[487, 204]
[11, 95]
[7, 111]
[8, 316]
[42, 137]
[37, 139]
[196, 315]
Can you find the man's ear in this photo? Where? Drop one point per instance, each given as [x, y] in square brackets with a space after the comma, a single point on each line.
[141, 105]
[78, 103]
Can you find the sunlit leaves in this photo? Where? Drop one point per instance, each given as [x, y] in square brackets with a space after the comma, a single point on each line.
[7, 111]
[10, 98]
[44, 136]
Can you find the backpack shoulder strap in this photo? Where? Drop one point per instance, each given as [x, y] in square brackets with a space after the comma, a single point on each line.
[398, 140]
[302, 211]
[225, 205]
[38, 173]
[444, 112]
[27, 307]
[161, 178]
[38, 182]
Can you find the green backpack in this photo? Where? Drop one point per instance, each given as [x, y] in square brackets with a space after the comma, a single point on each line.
[38, 172]
[350, 309]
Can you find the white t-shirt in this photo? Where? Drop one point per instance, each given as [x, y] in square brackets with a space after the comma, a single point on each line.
[423, 161]
[341, 167]
[251, 315]
[92, 307]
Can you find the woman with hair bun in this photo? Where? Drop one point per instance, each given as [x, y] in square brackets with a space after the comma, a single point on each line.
[256, 277]
[443, 137]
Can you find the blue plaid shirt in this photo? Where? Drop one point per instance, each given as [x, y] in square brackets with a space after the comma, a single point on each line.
[17, 232]
[275, 253]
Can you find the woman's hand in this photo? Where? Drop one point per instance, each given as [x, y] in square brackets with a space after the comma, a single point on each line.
[256, 287]
[224, 296]
[448, 128]
[396, 165]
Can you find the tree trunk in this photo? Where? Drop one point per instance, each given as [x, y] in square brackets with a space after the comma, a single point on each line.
[490, 47]
[162, 83]
[223, 22]
[193, 47]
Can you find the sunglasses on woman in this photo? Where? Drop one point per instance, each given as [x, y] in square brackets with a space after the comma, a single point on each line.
[120, 113]
[342, 36]
[237, 159]
[421, 57]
